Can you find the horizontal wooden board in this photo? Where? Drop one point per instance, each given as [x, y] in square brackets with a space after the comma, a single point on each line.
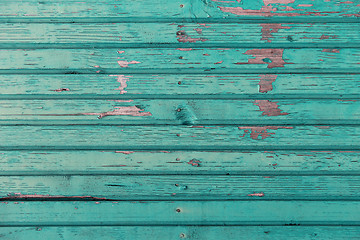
[132, 86]
[184, 34]
[182, 232]
[189, 112]
[184, 163]
[130, 138]
[180, 213]
[179, 9]
[231, 60]
[119, 188]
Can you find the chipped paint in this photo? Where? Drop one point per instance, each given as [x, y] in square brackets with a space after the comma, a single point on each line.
[272, 57]
[61, 90]
[269, 108]
[183, 37]
[126, 63]
[122, 111]
[265, 83]
[255, 132]
[267, 29]
[194, 163]
[261, 194]
[331, 50]
[122, 79]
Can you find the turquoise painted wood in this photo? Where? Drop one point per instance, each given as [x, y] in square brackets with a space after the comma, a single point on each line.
[184, 86]
[183, 119]
[80, 35]
[165, 213]
[182, 232]
[245, 163]
[178, 9]
[175, 60]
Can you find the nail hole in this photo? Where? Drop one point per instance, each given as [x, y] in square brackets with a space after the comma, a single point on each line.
[178, 210]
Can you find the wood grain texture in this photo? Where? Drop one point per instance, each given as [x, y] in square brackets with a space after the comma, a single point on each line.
[327, 35]
[246, 163]
[134, 86]
[130, 138]
[157, 60]
[188, 112]
[180, 9]
[176, 187]
[161, 213]
[181, 232]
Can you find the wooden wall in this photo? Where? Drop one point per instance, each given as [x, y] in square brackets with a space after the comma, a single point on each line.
[179, 119]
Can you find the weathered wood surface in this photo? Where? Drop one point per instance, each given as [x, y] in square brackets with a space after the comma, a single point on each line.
[185, 86]
[181, 232]
[97, 213]
[129, 138]
[201, 60]
[305, 35]
[192, 119]
[190, 9]
[247, 163]
[175, 187]
[188, 112]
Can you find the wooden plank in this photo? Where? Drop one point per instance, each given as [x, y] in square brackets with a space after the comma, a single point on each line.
[181, 232]
[230, 60]
[131, 138]
[327, 35]
[147, 112]
[261, 86]
[266, 163]
[180, 9]
[179, 187]
[180, 213]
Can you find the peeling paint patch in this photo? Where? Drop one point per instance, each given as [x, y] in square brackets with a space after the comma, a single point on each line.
[61, 90]
[183, 37]
[267, 29]
[124, 152]
[255, 132]
[126, 63]
[122, 79]
[184, 49]
[269, 108]
[265, 83]
[256, 194]
[272, 57]
[122, 111]
[331, 50]
[194, 163]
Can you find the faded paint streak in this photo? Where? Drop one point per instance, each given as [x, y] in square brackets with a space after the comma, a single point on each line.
[126, 63]
[265, 83]
[260, 131]
[269, 28]
[272, 57]
[269, 108]
[122, 111]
